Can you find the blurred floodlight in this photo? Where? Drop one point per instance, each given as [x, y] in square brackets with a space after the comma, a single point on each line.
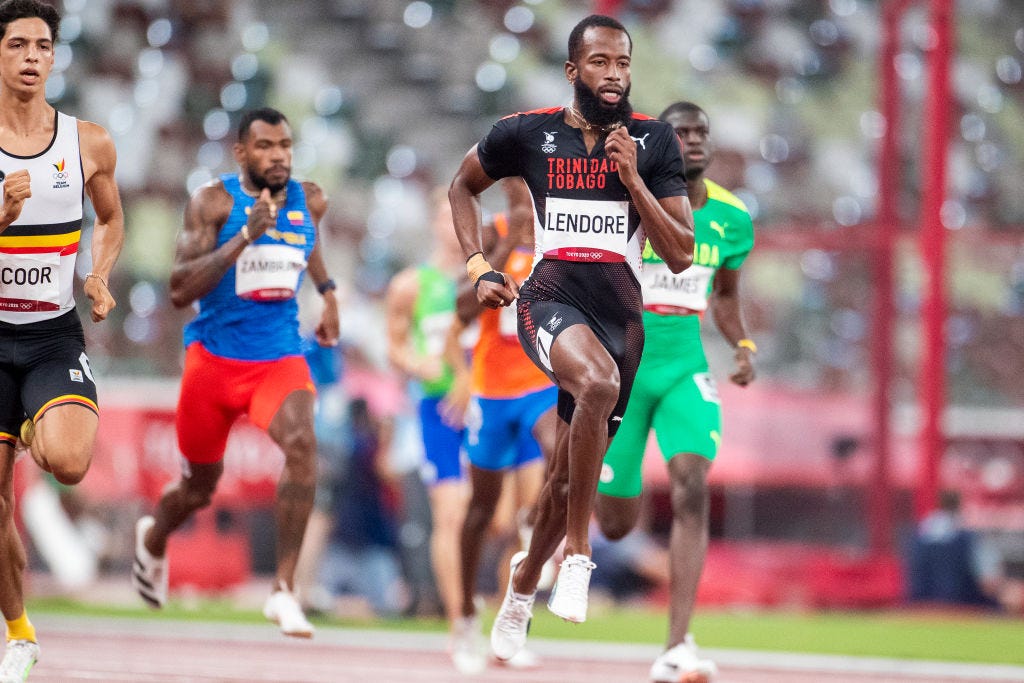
[989, 156]
[233, 96]
[210, 154]
[121, 118]
[824, 32]
[990, 98]
[760, 177]
[817, 265]
[138, 329]
[70, 27]
[774, 148]
[1018, 39]
[62, 56]
[401, 161]
[504, 48]
[255, 36]
[843, 8]
[417, 14]
[328, 100]
[519, 19]
[953, 214]
[380, 224]
[1008, 69]
[872, 125]
[216, 124]
[143, 299]
[490, 77]
[908, 66]
[146, 93]
[244, 66]
[790, 90]
[159, 33]
[74, 6]
[197, 177]
[972, 128]
[703, 57]
[55, 87]
[151, 62]
[846, 211]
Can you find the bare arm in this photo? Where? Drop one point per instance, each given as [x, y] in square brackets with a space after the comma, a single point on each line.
[725, 308]
[399, 305]
[464, 195]
[329, 329]
[99, 158]
[668, 222]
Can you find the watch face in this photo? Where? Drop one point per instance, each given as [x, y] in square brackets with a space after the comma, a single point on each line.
[2, 175]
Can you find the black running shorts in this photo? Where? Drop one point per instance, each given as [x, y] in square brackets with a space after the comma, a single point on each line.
[42, 365]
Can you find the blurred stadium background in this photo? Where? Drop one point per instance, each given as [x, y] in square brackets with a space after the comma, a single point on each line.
[823, 457]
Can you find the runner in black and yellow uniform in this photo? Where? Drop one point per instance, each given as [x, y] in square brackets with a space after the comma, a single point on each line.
[674, 394]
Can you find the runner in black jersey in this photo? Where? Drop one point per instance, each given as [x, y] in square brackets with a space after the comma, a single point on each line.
[603, 179]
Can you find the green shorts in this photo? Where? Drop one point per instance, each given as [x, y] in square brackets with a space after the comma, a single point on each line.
[676, 397]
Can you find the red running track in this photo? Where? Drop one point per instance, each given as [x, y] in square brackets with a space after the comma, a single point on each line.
[157, 651]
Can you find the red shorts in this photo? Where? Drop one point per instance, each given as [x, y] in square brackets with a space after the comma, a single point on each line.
[216, 390]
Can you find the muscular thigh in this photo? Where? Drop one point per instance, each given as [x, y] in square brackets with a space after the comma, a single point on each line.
[44, 366]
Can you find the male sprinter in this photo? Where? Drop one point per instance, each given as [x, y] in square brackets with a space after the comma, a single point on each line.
[247, 241]
[675, 395]
[602, 178]
[48, 162]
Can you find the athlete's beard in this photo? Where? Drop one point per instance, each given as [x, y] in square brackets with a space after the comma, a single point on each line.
[596, 112]
[260, 181]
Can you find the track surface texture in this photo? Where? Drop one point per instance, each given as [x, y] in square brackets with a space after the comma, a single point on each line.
[156, 651]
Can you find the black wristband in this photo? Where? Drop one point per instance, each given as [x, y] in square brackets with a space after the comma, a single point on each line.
[491, 276]
[326, 285]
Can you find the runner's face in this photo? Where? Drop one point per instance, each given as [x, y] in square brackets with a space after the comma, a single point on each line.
[26, 55]
[266, 155]
[603, 68]
[694, 132]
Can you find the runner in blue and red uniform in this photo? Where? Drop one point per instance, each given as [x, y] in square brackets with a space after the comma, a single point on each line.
[603, 180]
[248, 240]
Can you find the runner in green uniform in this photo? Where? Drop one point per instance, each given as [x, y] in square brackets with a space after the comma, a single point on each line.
[674, 393]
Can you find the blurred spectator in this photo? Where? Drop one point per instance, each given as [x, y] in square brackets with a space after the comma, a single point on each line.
[948, 563]
[360, 556]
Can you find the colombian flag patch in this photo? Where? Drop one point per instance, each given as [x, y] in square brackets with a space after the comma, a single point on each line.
[296, 217]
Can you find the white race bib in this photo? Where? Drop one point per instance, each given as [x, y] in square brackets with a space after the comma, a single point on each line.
[268, 272]
[508, 321]
[586, 230]
[665, 290]
[30, 282]
[435, 328]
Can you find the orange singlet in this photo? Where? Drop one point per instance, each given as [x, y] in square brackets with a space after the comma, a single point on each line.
[501, 369]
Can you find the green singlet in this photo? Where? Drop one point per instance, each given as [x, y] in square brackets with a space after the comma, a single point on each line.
[431, 319]
[674, 393]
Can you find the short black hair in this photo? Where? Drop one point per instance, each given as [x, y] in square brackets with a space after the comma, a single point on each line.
[271, 116]
[12, 10]
[681, 108]
[594, 20]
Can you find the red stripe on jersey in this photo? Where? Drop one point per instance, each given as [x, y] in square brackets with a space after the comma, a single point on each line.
[548, 110]
[63, 251]
[586, 254]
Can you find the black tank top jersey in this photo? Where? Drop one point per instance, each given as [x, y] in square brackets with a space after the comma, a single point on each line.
[588, 234]
[585, 218]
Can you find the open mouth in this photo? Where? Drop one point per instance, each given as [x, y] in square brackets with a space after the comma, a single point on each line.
[611, 95]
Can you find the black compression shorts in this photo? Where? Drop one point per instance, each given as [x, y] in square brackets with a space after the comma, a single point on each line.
[603, 296]
[42, 365]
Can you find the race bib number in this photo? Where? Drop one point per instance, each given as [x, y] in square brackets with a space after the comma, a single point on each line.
[268, 272]
[30, 282]
[665, 290]
[584, 230]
